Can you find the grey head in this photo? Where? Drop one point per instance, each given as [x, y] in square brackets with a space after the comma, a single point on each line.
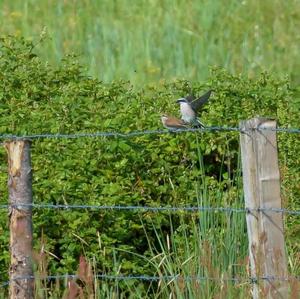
[182, 100]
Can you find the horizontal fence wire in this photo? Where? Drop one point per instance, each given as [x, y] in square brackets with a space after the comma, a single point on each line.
[167, 278]
[149, 208]
[140, 133]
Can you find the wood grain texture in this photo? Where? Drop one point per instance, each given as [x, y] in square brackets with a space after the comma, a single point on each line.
[261, 181]
[20, 219]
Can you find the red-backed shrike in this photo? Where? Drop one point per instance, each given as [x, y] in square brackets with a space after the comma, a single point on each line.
[189, 107]
[173, 123]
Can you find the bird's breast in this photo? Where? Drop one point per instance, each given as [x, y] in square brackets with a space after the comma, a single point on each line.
[188, 114]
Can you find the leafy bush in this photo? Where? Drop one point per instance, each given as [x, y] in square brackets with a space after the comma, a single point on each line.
[37, 98]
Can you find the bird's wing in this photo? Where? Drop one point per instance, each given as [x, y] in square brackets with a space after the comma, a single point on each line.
[190, 98]
[198, 103]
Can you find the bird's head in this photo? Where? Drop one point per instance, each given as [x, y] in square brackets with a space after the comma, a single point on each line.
[182, 100]
[164, 117]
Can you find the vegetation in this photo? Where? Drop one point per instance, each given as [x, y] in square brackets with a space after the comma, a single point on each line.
[170, 169]
[144, 41]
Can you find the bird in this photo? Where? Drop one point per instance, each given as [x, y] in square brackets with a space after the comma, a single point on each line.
[173, 123]
[189, 107]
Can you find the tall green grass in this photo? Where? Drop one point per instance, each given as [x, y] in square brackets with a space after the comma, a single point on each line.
[147, 41]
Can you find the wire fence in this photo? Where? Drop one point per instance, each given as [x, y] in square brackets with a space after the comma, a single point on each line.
[151, 209]
[168, 278]
[140, 133]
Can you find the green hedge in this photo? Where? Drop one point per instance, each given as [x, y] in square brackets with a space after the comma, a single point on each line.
[146, 170]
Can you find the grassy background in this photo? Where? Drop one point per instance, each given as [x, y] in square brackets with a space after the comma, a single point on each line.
[148, 41]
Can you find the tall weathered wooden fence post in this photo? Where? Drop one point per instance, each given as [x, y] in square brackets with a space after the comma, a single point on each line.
[261, 181]
[20, 194]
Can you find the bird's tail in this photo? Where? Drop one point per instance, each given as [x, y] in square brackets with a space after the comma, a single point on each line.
[198, 124]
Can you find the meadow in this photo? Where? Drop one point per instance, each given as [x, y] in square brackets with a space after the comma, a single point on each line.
[149, 41]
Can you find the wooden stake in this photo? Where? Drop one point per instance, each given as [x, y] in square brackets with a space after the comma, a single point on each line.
[261, 181]
[20, 193]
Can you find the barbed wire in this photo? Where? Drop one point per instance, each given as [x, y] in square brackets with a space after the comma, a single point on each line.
[157, 278]
[116, 134]
[149, 208]
[140, 133]
[284, 130]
